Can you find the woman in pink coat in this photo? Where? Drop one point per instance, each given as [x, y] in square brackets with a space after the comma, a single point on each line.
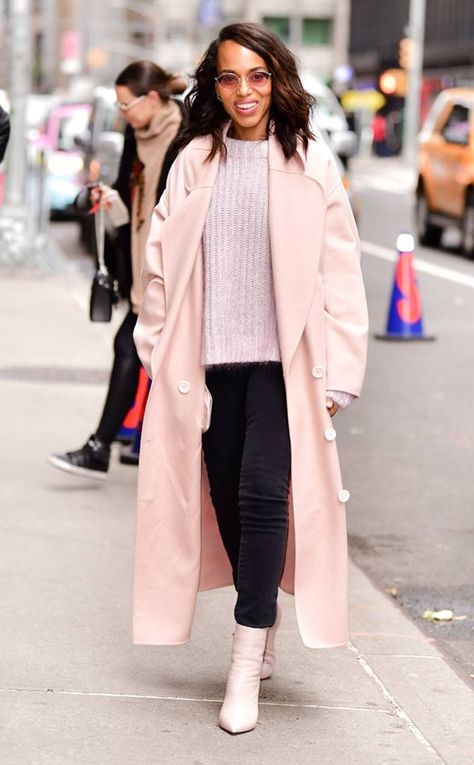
[254, 305]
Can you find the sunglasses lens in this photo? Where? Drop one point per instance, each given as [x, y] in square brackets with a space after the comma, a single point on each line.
[228, 81]
[254, 80]
[258, 79]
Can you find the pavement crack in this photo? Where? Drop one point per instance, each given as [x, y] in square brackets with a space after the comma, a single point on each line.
[429, 749]
[193, 699]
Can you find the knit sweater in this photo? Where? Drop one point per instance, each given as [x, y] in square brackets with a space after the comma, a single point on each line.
[239, 323]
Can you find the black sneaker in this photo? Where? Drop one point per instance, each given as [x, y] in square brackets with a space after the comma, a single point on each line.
[91, 461]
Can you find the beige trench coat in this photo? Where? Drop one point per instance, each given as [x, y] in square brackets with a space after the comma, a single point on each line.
[322, 325]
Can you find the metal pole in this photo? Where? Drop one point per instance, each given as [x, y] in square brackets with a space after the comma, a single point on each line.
[3, 13]
[50, 31]
[296, 29]
[416, 31]
[159, 29]
[15, 228]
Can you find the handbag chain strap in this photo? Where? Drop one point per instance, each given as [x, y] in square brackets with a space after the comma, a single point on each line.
[99, 220]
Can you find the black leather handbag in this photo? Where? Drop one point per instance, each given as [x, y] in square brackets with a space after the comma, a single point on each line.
[104, 291]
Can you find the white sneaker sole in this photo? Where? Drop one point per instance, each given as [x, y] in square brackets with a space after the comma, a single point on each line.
[94, 475]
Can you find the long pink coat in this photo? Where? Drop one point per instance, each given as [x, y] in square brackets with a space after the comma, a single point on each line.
[322, 325]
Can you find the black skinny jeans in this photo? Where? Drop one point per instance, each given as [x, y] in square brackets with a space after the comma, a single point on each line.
[123, 381]
[247, 455]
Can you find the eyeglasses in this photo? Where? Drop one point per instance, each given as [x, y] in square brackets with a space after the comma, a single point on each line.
[126, 107]
[228, 81]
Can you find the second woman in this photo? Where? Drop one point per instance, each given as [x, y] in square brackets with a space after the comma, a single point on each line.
[144, 93]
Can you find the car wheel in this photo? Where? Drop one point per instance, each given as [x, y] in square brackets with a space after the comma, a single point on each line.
[467, 228]
[428, 234]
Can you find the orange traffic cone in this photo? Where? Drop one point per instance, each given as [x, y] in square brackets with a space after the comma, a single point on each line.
[405, 315]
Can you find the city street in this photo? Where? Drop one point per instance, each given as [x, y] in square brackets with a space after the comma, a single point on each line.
[408, 445]
[409, 440]
[75, 691]
[97, 100]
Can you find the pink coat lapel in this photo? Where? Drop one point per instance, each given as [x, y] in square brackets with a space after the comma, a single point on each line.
[296, 224]
[182, 229]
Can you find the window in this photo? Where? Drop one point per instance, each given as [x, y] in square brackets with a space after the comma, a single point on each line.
[457, 127]
[317, 32]
[71, 125]
[278, 24]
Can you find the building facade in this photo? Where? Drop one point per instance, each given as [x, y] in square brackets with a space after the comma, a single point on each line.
[94, 39]
[376, 29]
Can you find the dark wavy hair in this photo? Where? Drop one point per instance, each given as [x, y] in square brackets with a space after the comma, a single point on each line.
[142, 76]
[291, 104]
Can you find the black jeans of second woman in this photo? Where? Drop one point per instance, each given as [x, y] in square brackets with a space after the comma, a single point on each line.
[123, 381]
[247, 455]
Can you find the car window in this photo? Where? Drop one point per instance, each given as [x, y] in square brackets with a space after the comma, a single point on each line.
[457, 127]
[322, 107]
[71, 125]
[112, 121]
[105, 118]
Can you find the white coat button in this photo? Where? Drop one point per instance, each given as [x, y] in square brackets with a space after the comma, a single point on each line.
[184, 386]
[330, 434]
[317, 371]
[344, 495]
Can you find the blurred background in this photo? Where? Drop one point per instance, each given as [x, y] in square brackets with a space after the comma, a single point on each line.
[394, 88]
[375, 70]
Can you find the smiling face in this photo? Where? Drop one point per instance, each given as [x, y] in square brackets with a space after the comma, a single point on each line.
[247, 106]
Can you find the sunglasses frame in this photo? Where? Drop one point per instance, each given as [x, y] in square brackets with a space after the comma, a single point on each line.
[244, 77]
[126, 107]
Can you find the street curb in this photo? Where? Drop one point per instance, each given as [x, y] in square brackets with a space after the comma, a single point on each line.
[412, 673]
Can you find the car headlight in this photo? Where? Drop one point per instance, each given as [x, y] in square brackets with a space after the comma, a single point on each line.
[65, 164]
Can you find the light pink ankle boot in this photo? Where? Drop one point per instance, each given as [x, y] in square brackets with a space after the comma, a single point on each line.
[239, 712]
[269, 656]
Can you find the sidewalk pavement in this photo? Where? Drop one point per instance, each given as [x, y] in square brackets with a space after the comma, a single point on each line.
[391, 174]
[73, 688]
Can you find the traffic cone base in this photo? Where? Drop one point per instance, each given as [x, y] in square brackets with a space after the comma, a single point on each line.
[129, 454]
[405, 338]
[132, 425]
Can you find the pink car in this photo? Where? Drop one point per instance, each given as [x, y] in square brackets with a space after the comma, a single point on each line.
[64, 160]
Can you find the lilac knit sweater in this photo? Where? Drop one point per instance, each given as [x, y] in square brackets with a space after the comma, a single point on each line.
[239, 322]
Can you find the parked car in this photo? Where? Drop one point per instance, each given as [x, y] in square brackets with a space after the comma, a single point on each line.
[100, 145]
[445, 187]
[101, 142]
[329, 115]
[354, 198]
[64, 162]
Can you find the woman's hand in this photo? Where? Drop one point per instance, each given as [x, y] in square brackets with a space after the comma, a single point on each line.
[337, 399]
[102, 194]
[331, 406]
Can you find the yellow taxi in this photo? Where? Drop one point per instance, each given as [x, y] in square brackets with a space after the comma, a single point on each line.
[445, 188]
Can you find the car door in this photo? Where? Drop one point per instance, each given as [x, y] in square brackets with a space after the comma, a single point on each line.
[454, 151]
